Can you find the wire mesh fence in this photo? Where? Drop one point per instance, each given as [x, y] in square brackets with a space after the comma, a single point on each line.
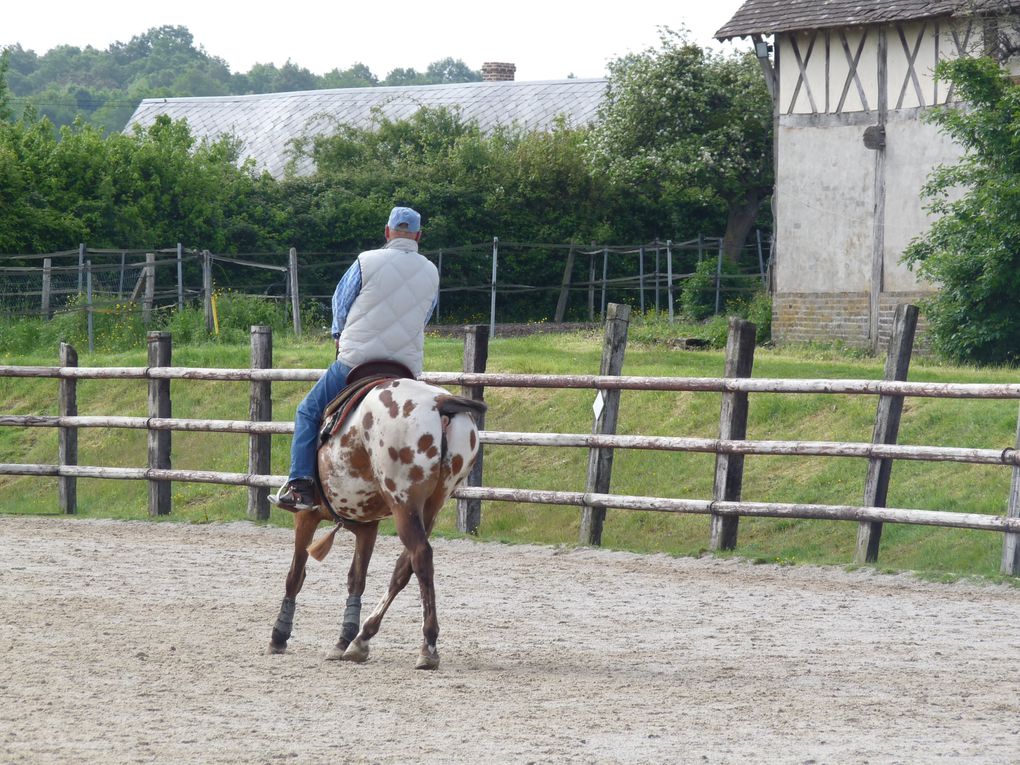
[494, 281]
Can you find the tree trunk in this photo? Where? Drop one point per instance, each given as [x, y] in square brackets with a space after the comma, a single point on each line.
[740, 220]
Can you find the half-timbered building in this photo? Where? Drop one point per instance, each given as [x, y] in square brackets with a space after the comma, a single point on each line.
[851, 81]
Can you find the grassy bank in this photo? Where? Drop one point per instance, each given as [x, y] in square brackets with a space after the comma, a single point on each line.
[961, 488]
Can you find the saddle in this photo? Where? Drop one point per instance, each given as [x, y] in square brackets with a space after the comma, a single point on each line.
[363, 378]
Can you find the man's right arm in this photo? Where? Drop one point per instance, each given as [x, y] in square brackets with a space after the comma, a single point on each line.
[346, 291]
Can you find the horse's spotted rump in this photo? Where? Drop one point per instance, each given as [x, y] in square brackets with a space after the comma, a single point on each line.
[426, 440]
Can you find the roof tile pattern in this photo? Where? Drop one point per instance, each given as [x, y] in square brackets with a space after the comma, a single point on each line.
[266, 124]
[766, 17]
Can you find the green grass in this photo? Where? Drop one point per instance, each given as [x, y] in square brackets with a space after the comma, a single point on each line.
[935, 552]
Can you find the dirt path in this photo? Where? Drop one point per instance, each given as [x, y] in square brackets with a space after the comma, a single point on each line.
[143, 642]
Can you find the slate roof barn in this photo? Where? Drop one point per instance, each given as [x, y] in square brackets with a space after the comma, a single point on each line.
[851, 80]
[266, 124]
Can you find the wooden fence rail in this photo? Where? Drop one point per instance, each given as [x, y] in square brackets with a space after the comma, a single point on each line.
[725, 507]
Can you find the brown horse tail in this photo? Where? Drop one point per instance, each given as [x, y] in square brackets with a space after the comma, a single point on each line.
[450, 405]
[320, 548]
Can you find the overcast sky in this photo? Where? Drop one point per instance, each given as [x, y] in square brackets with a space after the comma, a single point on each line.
[547, 39]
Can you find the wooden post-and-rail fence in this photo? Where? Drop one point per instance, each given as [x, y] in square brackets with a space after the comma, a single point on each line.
[724, 508]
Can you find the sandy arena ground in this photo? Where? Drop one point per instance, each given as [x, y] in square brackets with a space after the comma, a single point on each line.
[145, 642]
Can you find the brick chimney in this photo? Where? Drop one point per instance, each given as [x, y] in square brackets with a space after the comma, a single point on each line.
[497, 71]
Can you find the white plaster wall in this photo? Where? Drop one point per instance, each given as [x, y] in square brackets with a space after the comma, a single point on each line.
[825, 209]
[913, 149]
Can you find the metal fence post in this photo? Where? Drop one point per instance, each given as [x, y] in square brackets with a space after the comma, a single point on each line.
[47, 278]
[669, 278]
[67, 438]
[207, 290]
[159, 440]
[476, 355]
[180, 277]
[641, 277]
[492, 304]
[88, 306]
[607, 410]
[718, 278]
[886, 431]
[260, 409]
[150, 287]
[729, 468]
[605, 274]
[295, 295]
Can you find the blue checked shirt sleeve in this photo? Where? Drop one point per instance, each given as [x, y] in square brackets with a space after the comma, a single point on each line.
[347, 290]
[432, 310]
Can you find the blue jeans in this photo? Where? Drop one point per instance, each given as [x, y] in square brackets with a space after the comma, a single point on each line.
[305, 445]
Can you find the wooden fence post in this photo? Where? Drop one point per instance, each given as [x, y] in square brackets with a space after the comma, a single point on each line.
[47, 277]
[476, 355]
[159, 406]
[150, 287]
[295, 295]
[207, 290]
[561, 302]
[260, 409]
[1011, 544]
[67, 438]
[887, 427]
[607, 410]
[729, 468]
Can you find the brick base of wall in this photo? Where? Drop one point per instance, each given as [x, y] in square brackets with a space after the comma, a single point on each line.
[827, 317]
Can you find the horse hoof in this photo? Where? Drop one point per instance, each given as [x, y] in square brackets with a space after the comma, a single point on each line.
[356, 652]
[427, 660]
[276, 648]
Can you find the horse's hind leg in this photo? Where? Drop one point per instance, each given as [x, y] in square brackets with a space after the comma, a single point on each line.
[415, 558]
[305, 524]
[364, 544]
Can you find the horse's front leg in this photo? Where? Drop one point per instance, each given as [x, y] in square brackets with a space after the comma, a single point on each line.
[364, 544]
[305, 524]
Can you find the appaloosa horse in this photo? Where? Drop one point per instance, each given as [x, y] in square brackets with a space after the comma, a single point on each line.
[402, 452]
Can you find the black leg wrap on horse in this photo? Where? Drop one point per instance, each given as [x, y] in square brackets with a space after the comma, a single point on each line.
[352, 618]
[285, 621]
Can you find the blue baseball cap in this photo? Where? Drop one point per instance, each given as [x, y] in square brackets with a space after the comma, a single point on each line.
[404, 219]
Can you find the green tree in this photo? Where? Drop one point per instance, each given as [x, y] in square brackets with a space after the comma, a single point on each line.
[6, 113]
[692, 128]
[450, 70]
[356, 76]
[971, 253]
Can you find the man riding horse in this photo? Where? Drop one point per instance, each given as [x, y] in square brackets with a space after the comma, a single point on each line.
[380, 308]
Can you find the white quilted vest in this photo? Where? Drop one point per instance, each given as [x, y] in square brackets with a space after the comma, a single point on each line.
[387, 320]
